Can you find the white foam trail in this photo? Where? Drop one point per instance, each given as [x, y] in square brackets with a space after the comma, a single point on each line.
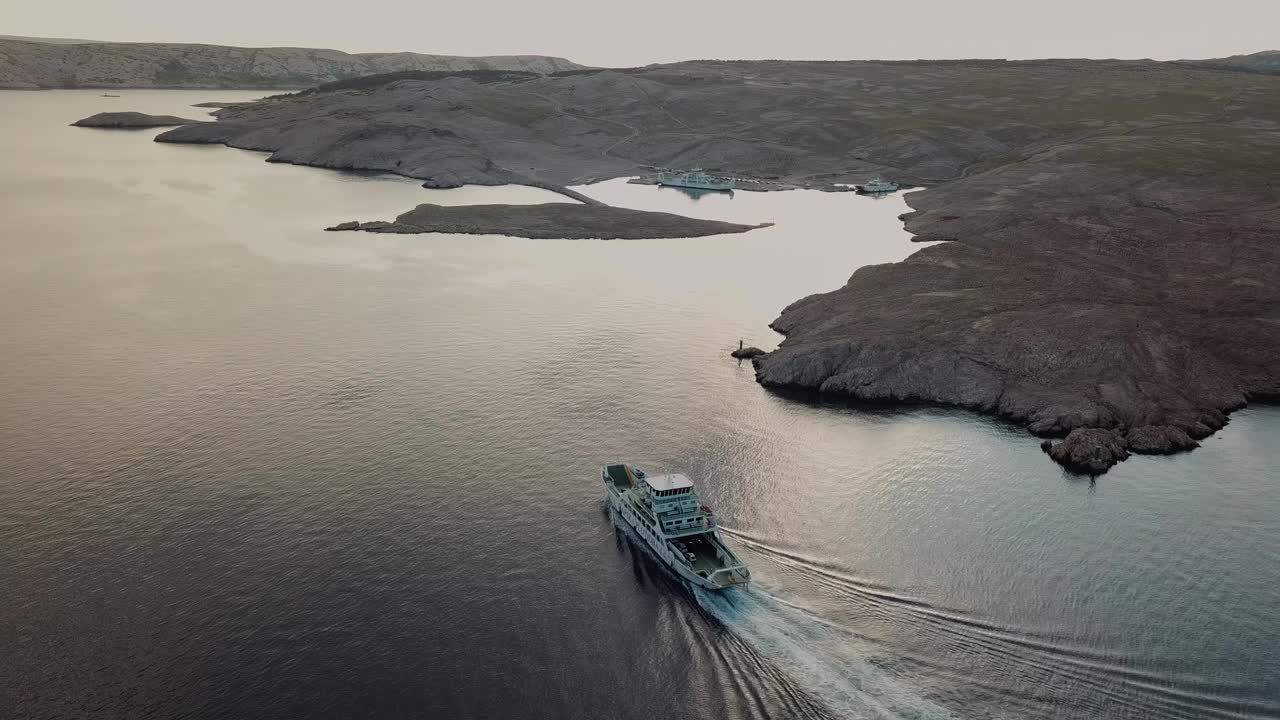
[820, 657]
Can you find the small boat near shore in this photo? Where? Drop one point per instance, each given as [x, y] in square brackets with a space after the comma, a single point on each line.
[877, 186]
[664, 511]
[695, 179]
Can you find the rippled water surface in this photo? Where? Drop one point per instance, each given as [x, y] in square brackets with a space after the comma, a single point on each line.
[253, 469]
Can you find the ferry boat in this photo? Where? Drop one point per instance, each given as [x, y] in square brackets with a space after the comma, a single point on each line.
[877, 186]
[696, 179]
[664, 511]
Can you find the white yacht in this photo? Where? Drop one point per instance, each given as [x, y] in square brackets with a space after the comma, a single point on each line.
[664, 512]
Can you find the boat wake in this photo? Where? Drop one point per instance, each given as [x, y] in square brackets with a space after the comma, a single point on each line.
[822, 669]
[1004, 670]
[821, 658]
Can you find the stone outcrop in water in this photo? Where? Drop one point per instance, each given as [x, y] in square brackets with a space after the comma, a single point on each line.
[570, 221]
[131, 120]
[747, 352]
[1089, 450]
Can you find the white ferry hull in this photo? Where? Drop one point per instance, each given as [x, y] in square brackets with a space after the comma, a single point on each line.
[624, 515]
[659, 550]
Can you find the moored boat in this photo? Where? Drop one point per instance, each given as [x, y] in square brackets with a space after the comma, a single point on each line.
[695, 179]
[877, 186]
[664, 511]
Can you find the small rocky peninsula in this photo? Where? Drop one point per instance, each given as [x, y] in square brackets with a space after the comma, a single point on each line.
[1111, 272]
[131, 120]
[568, 221]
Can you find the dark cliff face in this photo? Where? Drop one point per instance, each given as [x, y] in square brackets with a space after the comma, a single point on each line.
[1110, 259]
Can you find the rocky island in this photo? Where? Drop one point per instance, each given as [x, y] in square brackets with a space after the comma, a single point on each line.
[568, 221]
[131, 120]
[1111, 274]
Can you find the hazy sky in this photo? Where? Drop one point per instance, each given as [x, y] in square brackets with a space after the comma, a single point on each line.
[600, 32]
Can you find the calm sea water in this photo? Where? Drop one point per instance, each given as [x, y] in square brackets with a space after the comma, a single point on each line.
[252, 469]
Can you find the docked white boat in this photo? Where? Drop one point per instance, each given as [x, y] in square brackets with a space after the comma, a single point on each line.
[695, 179]
[877, 186]
[664, 512]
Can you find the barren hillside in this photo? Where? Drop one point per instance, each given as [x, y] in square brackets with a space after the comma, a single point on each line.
[32, 64]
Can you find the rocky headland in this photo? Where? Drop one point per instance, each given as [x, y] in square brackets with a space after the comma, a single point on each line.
[131, 120]
[569, 221]
[1112, 270]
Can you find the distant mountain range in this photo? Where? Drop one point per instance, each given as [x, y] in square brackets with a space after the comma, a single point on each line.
[32, 63]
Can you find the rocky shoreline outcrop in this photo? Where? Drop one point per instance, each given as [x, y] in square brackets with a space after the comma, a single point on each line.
[570, 221]
[1092, 451]
[131, 120]
[1087, 293]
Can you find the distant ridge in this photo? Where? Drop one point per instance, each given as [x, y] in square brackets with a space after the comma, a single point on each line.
[1267, 61]
[52, 41]
[33, 63]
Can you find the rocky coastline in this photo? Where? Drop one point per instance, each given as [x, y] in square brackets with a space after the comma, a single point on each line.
[1124, 312]
[1109, 272]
